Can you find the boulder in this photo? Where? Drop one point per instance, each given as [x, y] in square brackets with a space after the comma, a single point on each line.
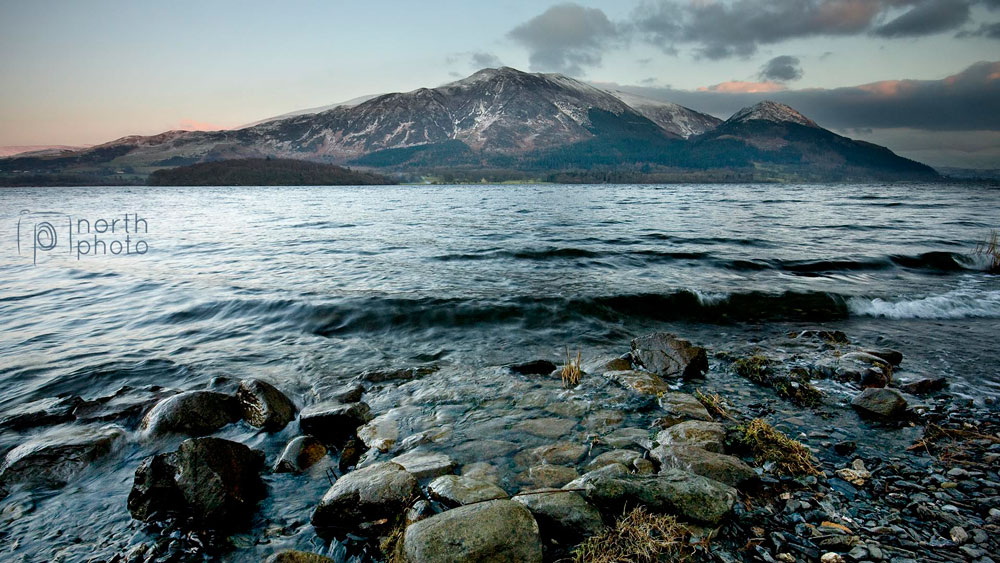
[625, 437]
[624, 457]
[334, 423]
[560, 453]
[880, 403]
[536, 367]
[194, 413]
[482, 471]
[610, 470]
[641, 382]
[264, 406]
[673, 491]
[207, 482]
[55, 457]
[337, 391]
[380, 491]
[424, 465]
[668, 356]
[923, 385]
[708, 436]
[722, 468]
[679, 407]
[294, 556]
[562, 515]
[499, 531]
[892, 357]
[301, 453]
[456, 490]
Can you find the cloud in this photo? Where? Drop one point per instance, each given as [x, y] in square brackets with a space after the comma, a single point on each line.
[966, 101]
[737, 86]
[193, 125]
[482, 59]
[718, 30]
[566, 38]
[781, 69]
[988, 30]
[927, 17]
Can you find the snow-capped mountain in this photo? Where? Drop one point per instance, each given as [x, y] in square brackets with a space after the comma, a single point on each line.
[674, 118]
[771, 111]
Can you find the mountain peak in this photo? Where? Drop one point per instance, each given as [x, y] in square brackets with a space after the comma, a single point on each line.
[771, 111]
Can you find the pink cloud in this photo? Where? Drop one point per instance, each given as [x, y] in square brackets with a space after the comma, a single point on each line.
[740, 87]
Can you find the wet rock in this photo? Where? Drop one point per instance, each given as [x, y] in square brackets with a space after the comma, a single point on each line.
[560, 453]
[456, 490]
[639, 381]
[550, 427]
[551, 475]
[55, 457]
[207, 482]
[379, 491]
[679, 407]
[708, 436]
[499, 530]
[562, 515]
[668, 356]
[293, 556]
[536, 367]
[611, 470]
[421, 510]
[124, 406]
[339, 392]
[873, 378]
[482, 471]
[264, 406]
[424, 465]
[883, 403]
[194, 413]
[301, 453]
[381, 376]
[673, 491]
[482, 450]
[334, 423]
[924, 385]
[624, 457]
[625, 437]
[846, 447]
[384, 431]
[43, 412]
[892, 357]
[959, 535]
[720, 467]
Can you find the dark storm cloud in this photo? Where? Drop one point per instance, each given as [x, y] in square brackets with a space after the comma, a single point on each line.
[781, 69]
[988, 30]
[967, 101]
[566, 37]
[930, 16]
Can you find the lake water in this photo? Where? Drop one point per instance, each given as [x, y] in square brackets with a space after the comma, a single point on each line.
[297, 284]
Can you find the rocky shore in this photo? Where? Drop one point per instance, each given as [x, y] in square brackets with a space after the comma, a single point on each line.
[670, 451]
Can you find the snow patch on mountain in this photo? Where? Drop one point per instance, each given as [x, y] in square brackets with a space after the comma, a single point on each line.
[771, 111]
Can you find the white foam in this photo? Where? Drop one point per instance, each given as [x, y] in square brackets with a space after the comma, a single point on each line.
[969, 301]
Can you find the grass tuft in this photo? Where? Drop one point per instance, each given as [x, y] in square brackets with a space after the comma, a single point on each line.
[990, 248]
[638, 537]
[768, 445]
[753, 368]
[794, 387]
[571, 371]
[714, 404]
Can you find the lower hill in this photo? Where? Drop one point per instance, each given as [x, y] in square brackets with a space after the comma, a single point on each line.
[264, 172]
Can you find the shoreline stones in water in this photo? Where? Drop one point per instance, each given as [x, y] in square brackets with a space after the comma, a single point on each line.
[880, 403]
[301, 453]
[457, 490]
[672, 491]
[377, 492]
[666, 355]
[55, 457]
[334, 423]
[207, 482]
[195, 413]
[264, 406]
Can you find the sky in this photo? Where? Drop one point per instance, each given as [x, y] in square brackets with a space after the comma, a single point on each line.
[920, 76]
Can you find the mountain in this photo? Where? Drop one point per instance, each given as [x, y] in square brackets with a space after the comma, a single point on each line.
[780, 142]
[506, 124]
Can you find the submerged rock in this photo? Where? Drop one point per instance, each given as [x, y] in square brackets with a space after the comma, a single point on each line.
[668, 356]
[924, 385]
[640, 381]
[301, 453]
[424, 465]
[562, 515]
[560, 453]
[883, 403]
[455, 490]
[624, 457]
[536, 367]
[194, 413]
[294, 556]
[546, 475]
[672, 491]
[54, 458]
[264, 406]
[680, 407]
[499, 530]
[43, 412]
[334, 423]
[207, 482]
[379, 491]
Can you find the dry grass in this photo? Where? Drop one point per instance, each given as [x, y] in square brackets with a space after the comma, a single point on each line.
[954, 446]
[794, 387]
[753, 368]
[392, 544]
[571, 370]
[714, 404]
[767, 445]
[638, 537]
[990, 248]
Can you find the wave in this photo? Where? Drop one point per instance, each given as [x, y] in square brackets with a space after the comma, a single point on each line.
[962, 303]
